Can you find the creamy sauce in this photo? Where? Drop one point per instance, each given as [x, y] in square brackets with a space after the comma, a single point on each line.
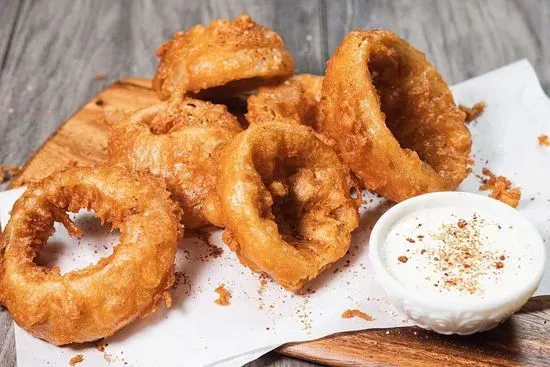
[457, 253]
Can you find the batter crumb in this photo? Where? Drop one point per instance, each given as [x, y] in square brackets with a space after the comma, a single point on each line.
[100, 347]
[76, 359]
[473, 112]
[224, 295]
[501, 188]
[403, 259]
[8, 172]
[544, 140]
[347, 314]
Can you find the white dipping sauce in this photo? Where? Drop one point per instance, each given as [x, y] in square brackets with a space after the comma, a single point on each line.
[457, 253]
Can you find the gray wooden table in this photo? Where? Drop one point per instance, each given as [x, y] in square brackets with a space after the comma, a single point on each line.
[51, 51]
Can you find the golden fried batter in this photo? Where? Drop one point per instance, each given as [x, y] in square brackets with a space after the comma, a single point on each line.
[237, 55]
[393, 117]
[285, 199]
[501, 188]
[295, 101]
[473, 112]
[178, 140]
[94, 302]
[544, 141]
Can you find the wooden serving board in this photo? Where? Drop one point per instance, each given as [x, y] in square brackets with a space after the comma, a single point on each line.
[522, 340]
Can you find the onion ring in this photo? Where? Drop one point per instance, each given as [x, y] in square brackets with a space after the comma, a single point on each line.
[236, 55]
[295, 101]
[393, 117]
[178, 140]
[285, 200]
[94, 302]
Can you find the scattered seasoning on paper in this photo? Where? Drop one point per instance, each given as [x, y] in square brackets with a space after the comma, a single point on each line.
[473, 112]
[223, 295]
[544, 141]
[76, 359]
[211, 251]
[304, 315]
[501, 188]
[261, 290]
[347, 314]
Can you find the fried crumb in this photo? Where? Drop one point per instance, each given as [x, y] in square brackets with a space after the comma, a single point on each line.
[403, 259]
[544, 141]
[100, 347]
[224, 295]
[347, 314]
[473, 112]
[76, 359]
[100, 76]
[500, 188]
[8, 172]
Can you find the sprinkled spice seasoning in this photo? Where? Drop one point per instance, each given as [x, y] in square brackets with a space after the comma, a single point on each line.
[462, 253]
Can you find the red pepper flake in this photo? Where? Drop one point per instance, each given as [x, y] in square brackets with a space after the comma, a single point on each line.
[410, 240]
[403, 259]
[499, 265]
[422, 252]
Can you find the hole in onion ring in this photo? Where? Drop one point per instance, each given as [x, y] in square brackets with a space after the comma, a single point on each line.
[398, 100]
[68, 253]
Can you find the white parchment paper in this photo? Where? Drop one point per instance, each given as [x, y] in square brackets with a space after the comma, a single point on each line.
[196, 331]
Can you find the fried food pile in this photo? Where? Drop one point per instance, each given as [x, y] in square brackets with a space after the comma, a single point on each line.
[282, 182]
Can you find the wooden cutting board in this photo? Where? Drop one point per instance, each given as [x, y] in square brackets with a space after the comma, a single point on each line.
[522, 340]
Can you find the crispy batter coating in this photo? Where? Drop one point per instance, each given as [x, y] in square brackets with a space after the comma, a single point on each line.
[544, 141]
[178, 140]
[501, 188]
[393, 117]
[238, 54]
[472, 113]
[285, 199]
[295, 101]
[94, 302]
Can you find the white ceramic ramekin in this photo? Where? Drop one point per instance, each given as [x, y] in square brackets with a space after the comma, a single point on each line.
[465, 317]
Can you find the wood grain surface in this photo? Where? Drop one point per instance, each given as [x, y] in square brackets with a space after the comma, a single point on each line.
[51, 51]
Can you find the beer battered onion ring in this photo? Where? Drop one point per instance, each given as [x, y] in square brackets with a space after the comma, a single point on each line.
[295, 101]
[285, 200]
[94, 302]
[393, 117]
[178, 140]
[234, 55]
